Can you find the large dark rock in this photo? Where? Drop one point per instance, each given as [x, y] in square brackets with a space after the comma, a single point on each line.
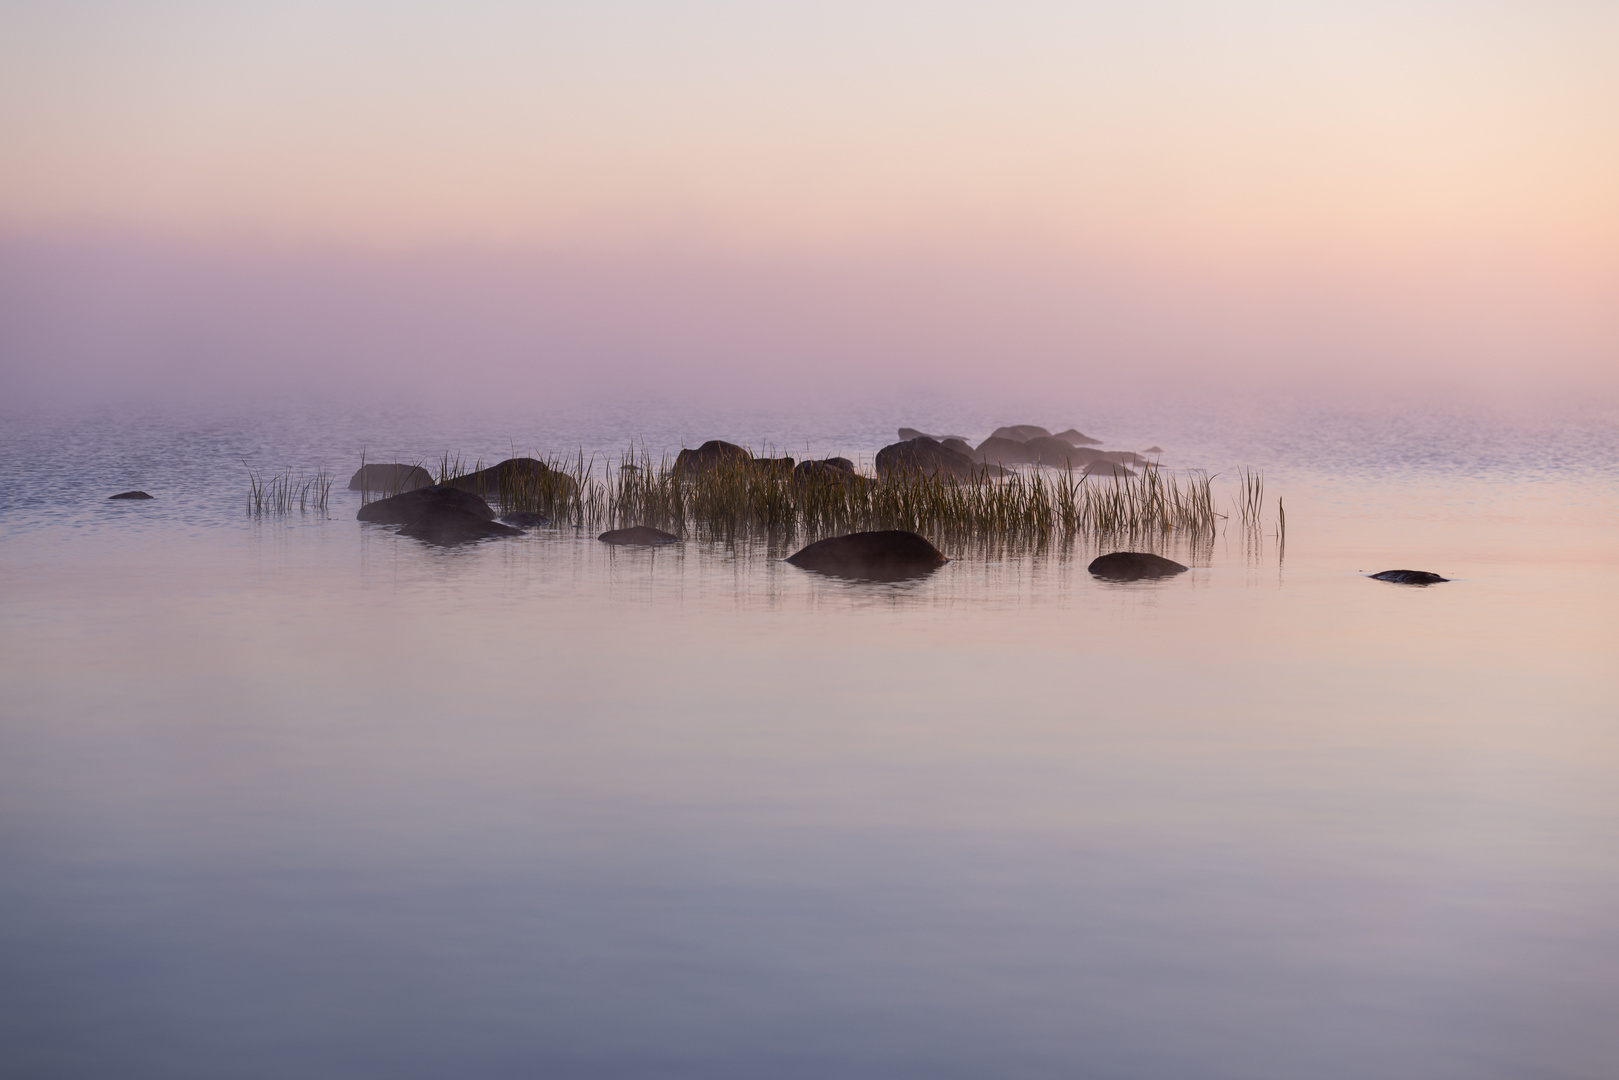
[781, 466]
[709, 455]
[1133, 566]
[410, 506]
[832, 468]
[998, 448]
[130, 495]
[1076, 438]
[513, 476]
[925, 456]
[446, 525]
[890, 555]
[1409, 577]
[639, 535]
[961, 446]
[392, 478]
[1107, 469]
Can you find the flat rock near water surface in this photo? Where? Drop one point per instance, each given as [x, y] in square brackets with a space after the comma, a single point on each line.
[130, 495]
[1133, 566]
[638, 536]
[886, 555]
[1409, 577]
[446, 525]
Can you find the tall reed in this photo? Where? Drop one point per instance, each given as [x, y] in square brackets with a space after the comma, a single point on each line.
[282, 493]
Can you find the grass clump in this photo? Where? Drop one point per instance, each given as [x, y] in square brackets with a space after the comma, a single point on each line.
[283, 493]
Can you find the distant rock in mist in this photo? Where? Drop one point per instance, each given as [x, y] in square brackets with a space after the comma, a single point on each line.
[906, 434]
[1133, 566]
[887, 555]
[1074, 437]
[130, 495]
[1020, 432]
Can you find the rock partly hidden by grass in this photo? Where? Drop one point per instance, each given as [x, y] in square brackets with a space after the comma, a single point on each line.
[889, 555]
[1409, 577]
[926, 456]
[130, 495]
[832, 468]
[391, 478]
[638, 535]
[1133, 566]
[408, 507]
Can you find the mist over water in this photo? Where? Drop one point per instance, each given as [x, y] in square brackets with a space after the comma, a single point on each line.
[303, 796]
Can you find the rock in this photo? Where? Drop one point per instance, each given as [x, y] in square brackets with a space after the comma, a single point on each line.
[1054, 451]
[640, 535]
[998, 448]
[961, 446]
[1105, 468]
[890, 555]
[925, 456]
[514, 475]
[832, 468]
[906, 434]
[1153, 450]
[130, 495]
[525, 520]
[713, 452]
[390, 478]
[410, 506]
[1020, 433]
[446, 525]
[1409, 577]
[1074, 437]
[1133, 566]
[781, 466]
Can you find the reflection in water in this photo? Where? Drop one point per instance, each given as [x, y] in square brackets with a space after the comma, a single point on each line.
[302, 797]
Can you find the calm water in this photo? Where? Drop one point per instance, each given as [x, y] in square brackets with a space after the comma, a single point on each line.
[305, 798]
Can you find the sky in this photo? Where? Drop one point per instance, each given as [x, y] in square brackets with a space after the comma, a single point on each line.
[692, 197]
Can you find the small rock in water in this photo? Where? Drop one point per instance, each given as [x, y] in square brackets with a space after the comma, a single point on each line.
[638, 535]
[1153, 450]
[410, 506]
[887, 555]
[446, 525]
[1409, 577]
[1133, 566]
[525, 520]
[130, 495]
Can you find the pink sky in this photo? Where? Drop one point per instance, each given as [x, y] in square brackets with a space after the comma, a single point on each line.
[1307, 193]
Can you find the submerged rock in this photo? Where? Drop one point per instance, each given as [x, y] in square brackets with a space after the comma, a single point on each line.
[889, 555]
[446, 525]
[393, 478]
[410, 506]
[1020, 433]
[1075, 437]
[707, 456]
[130, 495]
[525, 520]
[639, 535]
[832, 468]
[926, 456]
[1133, 566]
[1409, 577]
